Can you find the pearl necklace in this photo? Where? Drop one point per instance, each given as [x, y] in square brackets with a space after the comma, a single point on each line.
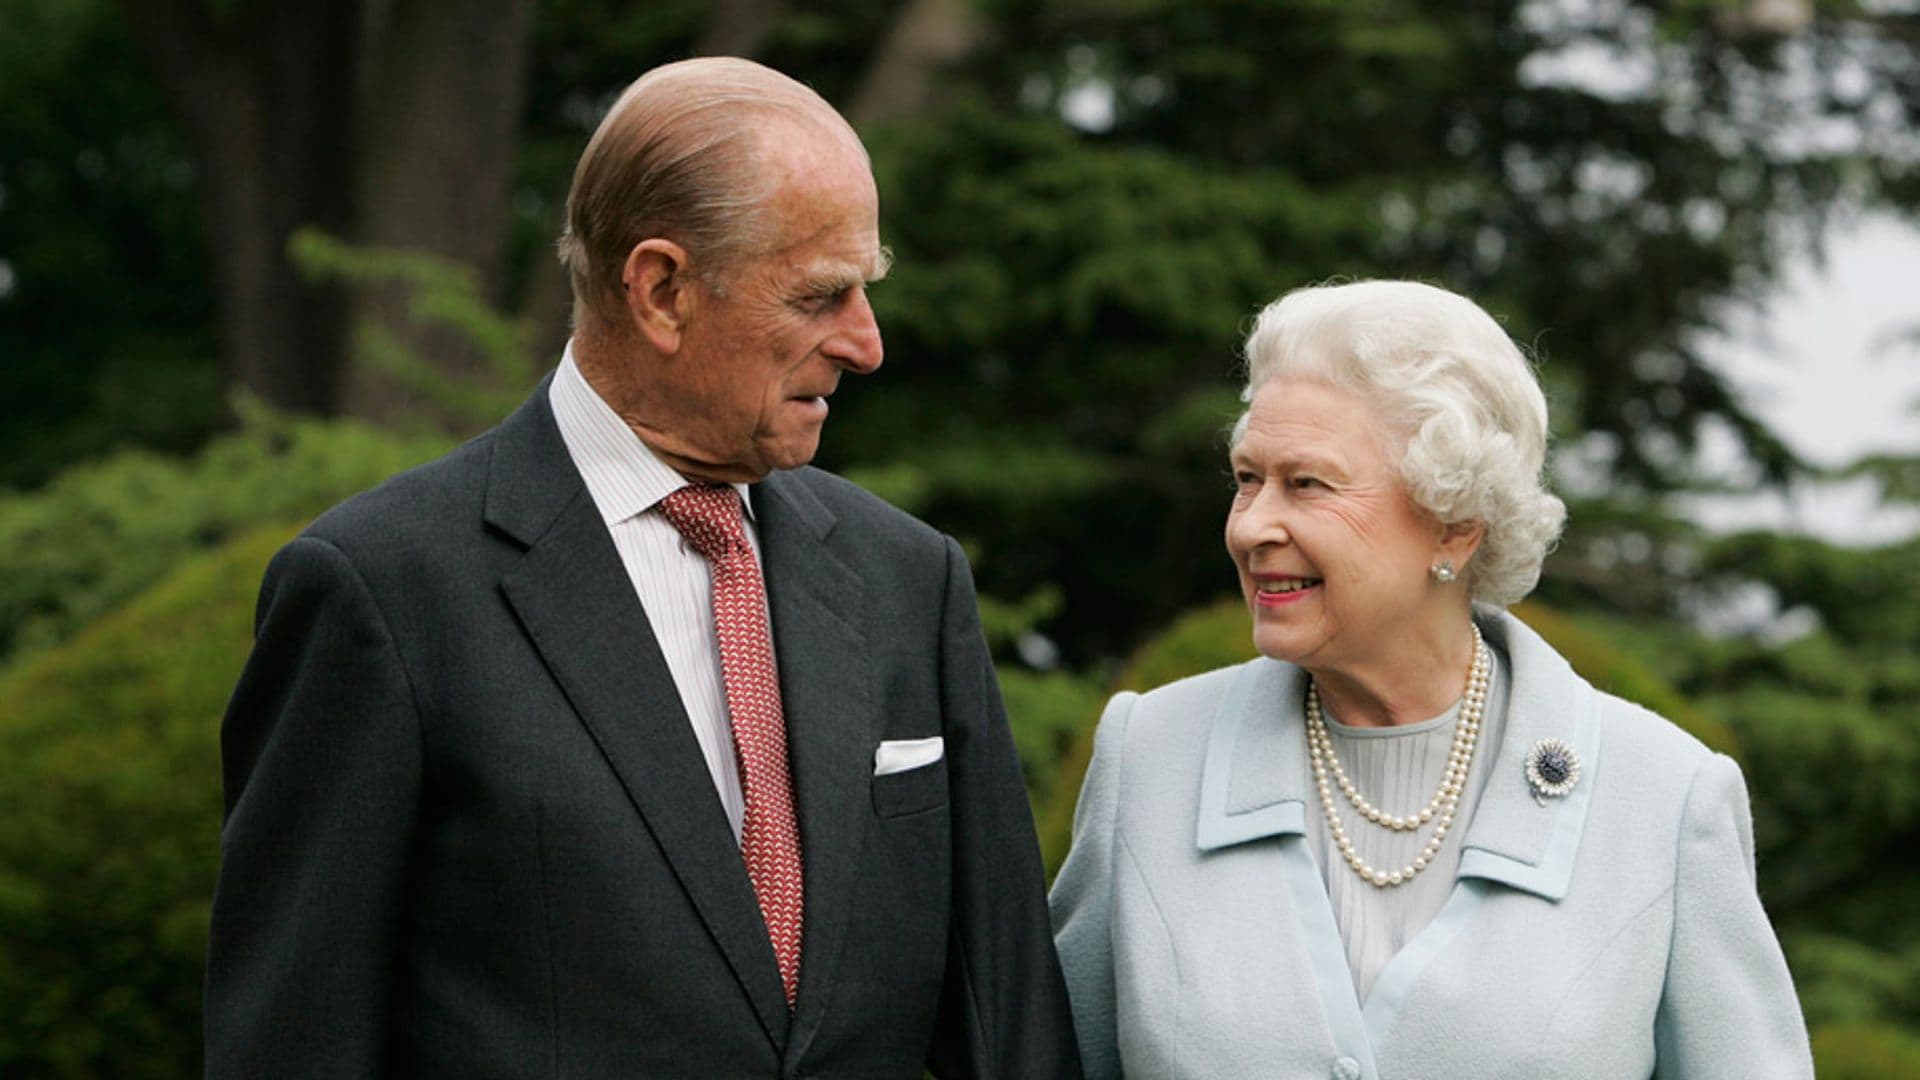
[1440, 809]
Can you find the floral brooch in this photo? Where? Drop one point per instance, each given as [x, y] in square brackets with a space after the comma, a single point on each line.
[1552, 769]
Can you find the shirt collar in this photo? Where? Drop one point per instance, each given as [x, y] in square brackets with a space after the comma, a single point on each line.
[623, 474]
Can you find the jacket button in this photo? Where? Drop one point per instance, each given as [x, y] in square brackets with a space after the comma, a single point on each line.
[1346, 1069]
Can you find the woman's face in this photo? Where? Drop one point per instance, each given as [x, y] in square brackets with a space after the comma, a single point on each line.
[1333, 554]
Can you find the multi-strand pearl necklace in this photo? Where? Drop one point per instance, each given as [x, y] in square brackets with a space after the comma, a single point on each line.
[1440, 809]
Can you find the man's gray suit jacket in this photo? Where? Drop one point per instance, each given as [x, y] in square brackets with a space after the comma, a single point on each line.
[469, 831]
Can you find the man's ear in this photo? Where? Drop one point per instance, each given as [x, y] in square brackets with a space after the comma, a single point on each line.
[659, 291]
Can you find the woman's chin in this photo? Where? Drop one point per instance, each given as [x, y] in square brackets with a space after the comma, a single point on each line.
[1275, 643]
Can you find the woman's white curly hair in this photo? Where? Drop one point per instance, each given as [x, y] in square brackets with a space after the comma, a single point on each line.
[1451, 389]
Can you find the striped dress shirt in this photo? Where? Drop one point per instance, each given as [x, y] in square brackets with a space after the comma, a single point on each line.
[672, 580]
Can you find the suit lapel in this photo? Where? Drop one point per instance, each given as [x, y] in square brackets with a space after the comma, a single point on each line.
[817, 604]
[573, 597]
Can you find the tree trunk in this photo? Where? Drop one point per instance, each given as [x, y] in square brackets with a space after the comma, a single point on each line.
[266, 101]
[381, 122]
[927, 36]
[439, 125]
[738, 27]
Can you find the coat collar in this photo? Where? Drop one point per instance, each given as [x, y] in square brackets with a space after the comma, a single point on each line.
[818, 607]
[1256, 782]
[572, 596]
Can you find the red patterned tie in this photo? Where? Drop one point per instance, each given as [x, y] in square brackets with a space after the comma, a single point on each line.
[710, 519]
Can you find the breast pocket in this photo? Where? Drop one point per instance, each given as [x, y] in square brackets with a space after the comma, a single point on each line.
[911, 792]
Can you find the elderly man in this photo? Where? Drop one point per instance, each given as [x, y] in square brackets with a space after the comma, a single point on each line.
[616, 743]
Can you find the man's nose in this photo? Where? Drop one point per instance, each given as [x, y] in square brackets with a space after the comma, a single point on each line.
[856, 345]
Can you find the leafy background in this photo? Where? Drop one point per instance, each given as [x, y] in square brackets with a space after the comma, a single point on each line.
[212, 328]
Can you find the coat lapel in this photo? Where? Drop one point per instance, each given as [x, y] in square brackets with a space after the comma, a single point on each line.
[573, 597]
[1255, 786]
[817, 604]
[1514, 839]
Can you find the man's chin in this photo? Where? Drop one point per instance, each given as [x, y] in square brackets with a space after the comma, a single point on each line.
[788, 453]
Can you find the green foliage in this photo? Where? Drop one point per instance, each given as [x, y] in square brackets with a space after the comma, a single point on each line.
[439, 294]
[1865, 1052]
[1619, 672]
[104, 530]
[109, 825]
[1048, 712]
[1069, 317]
[1837, 788]
[106, 332]
[1201, 640]
[1843, 982]
[1845, 586]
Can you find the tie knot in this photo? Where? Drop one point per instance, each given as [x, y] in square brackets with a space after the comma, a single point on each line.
[708, 515]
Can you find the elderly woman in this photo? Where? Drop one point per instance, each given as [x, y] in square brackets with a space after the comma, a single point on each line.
[1409, 841]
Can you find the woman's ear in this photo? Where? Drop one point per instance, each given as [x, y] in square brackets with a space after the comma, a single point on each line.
[659, 292]
[1459, 541]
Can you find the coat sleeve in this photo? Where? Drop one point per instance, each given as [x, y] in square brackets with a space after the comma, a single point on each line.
[1728, 1008]
[321, 755]
[1003, 1008]
[1082, 900]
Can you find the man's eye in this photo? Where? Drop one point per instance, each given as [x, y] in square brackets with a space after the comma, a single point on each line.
[822, 302]
[1307, 482]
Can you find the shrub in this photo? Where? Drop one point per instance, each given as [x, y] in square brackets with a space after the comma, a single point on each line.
[1864, 1052]
[109, 824]
[102, 531]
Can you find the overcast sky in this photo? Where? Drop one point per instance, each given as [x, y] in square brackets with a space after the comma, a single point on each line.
[1821, 364]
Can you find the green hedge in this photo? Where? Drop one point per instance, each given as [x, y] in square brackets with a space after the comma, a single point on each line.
[109, 825]
[104, 530]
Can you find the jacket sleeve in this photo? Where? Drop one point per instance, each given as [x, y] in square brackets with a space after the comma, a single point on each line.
[1003, 1008]
[321, 756]
[1082, 899]
[1728, 1008]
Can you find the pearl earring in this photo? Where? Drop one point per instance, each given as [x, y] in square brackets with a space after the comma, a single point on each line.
[1442, 572]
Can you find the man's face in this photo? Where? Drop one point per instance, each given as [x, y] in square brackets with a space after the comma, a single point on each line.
[761, 354]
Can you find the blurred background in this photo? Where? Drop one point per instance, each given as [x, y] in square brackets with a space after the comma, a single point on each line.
[257, 256]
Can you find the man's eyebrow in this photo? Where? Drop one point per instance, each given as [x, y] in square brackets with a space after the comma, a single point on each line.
[840, 276]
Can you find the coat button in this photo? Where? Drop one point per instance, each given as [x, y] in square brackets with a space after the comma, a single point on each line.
[1346, 1069]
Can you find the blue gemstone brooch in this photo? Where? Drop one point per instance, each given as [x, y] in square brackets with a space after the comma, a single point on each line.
[1552, 769]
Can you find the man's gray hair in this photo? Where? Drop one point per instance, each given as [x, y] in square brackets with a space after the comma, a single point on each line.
[680, 156]
[1452, 391]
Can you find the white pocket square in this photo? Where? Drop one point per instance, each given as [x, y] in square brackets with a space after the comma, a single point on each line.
[899, 755]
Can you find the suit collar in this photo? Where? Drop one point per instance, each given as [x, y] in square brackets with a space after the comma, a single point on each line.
[530, 478]
[1256, 782]
[572, 595]
[818, 607]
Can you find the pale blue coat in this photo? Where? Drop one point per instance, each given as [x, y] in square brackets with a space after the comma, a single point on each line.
[1611, 933]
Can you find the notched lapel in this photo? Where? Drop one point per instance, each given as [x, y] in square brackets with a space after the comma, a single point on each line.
[826, 689]
[1252, 785]
[1514, 839]
[572, 595]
